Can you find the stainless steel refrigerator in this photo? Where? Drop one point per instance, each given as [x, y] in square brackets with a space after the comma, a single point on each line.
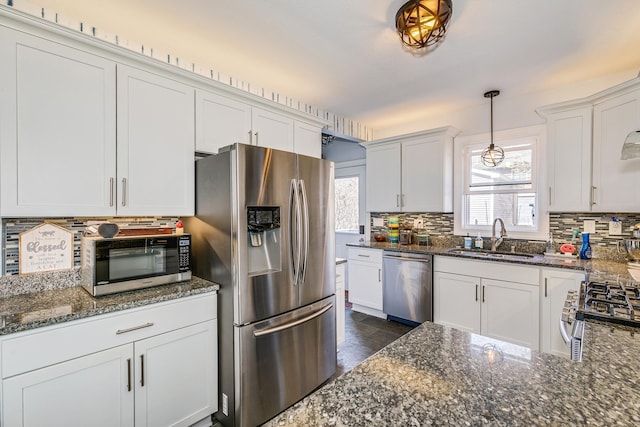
[264, 230]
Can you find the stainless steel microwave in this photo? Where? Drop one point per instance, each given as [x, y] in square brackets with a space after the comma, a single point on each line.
[127, 263]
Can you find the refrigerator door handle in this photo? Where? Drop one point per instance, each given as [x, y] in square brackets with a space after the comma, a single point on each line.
[289, 325]
[305, 230]
[294, 231]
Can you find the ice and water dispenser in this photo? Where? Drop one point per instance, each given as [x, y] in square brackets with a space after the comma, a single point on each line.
[264, 239]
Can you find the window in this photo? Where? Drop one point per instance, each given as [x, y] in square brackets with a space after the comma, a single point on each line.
[349, 196]
[347, 202]
[508, 191]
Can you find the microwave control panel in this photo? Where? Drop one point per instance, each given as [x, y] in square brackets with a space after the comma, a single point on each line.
[184, 253]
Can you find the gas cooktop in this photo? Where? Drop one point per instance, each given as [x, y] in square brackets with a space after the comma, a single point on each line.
[616, 301]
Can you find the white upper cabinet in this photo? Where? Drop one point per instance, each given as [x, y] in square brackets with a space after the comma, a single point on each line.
[57, 128]
[156, 134]
[585, 139]
[569, 159]
[307, 139]
[411, 173]
[271, 130]
[615, 181]
[220, 121]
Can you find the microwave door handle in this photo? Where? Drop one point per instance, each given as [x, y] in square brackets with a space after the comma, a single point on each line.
[304, 225]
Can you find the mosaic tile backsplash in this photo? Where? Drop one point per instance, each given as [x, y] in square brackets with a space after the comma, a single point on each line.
[13, 227]
[439, 226]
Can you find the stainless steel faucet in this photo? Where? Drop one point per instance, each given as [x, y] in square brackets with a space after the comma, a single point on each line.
[503, 233]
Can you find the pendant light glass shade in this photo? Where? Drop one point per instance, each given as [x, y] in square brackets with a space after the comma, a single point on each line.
[493, 155]
[631, 146]
[422, 23]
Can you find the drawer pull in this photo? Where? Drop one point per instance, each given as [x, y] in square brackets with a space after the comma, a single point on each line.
[135, 328]
[128, 374]
[363, 256]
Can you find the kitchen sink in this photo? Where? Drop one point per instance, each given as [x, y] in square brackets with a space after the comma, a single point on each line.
[492, 255]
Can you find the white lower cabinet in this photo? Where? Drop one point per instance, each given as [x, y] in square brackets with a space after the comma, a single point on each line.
[555, 285]
[365, 280]
[163, 373]
[340, 271]
[497, 300]
[87, 391]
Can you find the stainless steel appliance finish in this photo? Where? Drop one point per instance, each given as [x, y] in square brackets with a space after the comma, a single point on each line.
[605, 299]
[264, 230]
[118, 264]
[407, 286]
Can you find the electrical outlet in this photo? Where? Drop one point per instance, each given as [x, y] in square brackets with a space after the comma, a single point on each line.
[615, 228]
[378, 222]
[589, 226]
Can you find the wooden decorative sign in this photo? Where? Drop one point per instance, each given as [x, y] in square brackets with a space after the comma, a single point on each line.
[46, 247]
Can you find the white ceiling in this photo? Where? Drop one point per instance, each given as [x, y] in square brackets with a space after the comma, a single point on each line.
[343, 56]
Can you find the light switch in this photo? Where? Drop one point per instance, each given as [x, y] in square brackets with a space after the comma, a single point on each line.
[589, 226]
[378, 222]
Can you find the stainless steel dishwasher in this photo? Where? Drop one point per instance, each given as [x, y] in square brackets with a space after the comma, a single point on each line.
[407, 286]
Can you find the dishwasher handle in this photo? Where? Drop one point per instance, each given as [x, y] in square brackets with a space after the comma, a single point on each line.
[404, 258]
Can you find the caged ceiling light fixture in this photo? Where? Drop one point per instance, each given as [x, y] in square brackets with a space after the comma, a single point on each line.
[422, 23]
[492, 156]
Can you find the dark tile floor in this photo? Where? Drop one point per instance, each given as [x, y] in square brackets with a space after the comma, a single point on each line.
[364, 336]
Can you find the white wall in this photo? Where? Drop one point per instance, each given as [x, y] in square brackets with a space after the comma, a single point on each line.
[508, 111]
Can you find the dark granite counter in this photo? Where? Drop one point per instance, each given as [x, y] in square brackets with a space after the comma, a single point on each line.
[595, 265]
[47, 307]
[440, 376]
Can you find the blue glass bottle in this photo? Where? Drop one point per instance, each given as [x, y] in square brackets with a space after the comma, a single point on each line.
[585, 249]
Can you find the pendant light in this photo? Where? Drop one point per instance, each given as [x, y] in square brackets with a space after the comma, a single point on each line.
[493, 155]
[631, 146]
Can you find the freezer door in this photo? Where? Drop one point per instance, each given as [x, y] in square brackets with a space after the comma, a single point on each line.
[316, 189]
[265, 282]
[283, 359]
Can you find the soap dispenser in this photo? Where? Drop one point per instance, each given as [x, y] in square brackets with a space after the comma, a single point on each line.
[479, 242]
[585, 249]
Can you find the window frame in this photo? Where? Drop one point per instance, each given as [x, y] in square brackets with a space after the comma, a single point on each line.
[462, 145]
[350, 169]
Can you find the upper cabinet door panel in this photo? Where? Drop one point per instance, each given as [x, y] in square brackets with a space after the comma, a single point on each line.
[156, 141]
[57, 129]
[424, 188]
[615, 181]
[383, 178]
[272, 130]
[307, 139]
[220, 121]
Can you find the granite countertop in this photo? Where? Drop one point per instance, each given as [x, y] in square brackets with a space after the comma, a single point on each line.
[436, 375]
[38, 309]
[595, 265]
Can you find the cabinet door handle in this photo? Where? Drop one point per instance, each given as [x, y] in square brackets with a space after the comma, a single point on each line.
[593, 194]
[250, 137]
[379, 275]
[476, 292]
[128, 374]
[482, 293]
[545, 287]
[397, 200]
[112, 183]
[124, 191]
[549, 195]
[134, 328]
[403, 202]
[257, 144]
[142, 370]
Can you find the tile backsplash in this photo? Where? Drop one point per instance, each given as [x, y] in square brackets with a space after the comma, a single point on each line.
[11, 229]
[440, 228]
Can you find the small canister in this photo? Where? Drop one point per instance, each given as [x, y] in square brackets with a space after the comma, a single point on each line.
[394, 232]
[405, 236]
